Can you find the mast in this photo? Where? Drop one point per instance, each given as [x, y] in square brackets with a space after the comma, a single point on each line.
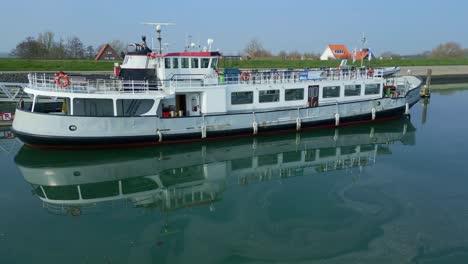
[158, 27]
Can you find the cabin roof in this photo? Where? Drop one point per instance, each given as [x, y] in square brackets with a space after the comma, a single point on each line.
[187, 54]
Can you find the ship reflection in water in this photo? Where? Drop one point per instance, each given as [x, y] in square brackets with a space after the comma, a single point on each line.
[174, 177]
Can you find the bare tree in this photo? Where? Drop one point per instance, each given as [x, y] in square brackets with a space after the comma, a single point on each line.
[448, 50]
[118, 45]
[46, 39]
[283, 55]
[90, 52]
[75, 48]
[30, 49]
[390, 55]
[255, 49]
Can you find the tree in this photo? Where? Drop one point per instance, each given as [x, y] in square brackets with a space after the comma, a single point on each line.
[90, 52]
[255, 49]
[75, 48]
[30, 49]
[390, 55]
[118, 46]
[448, 50]
[46, 39]
[283, 55]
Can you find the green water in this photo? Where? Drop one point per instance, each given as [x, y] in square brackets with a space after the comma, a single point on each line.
[394, 192]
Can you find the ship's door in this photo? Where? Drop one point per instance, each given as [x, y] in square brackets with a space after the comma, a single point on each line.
[313, 96]
[194, 102]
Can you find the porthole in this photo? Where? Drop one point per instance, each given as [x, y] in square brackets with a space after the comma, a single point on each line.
[72, 128]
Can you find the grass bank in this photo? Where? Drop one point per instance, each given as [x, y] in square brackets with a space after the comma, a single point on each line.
[9, 64]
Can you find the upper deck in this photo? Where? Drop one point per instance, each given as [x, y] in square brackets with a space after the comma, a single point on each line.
[44, 84]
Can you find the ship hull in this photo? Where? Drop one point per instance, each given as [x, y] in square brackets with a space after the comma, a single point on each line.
[53, 131]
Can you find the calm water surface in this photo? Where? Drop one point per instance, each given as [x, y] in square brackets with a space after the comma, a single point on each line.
[394, 192]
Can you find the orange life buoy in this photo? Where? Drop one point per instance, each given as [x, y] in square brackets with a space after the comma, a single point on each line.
[62, 80]
[74, 211]
[245, 76]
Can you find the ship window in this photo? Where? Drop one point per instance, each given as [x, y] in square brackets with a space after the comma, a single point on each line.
[93, 107]
[167, 63]
[205, 63]
[61, 192]
[99, 190]
[294, 94]
[352, 90]
[195, 63]
[214, 63]
[132, 107]
[185, 63]
[238, 98]
[331, 92]
[269, 96]
[175, 63]
[372, 88]
[266, 160]
[136, 185]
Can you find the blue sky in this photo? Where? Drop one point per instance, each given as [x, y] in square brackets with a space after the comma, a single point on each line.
[405, 27]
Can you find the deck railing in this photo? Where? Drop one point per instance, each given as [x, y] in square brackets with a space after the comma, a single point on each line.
[111, 86]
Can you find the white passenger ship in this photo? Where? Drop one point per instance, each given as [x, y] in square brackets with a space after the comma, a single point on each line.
[173, 97]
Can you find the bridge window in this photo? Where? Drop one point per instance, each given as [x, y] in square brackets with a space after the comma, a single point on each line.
[132, 107]
[269, 96]
[294, 94]
[167, 63]
[93, 107]
[214, 63]
[352, 90]
[175, 63]
[372, 89]
[205, 63]
[195, 63]
[99, 190]
[62, 192]
[185, 63]
[331, 92]
[238, 98]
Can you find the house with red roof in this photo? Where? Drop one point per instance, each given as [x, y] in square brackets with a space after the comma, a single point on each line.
[336, 52]
[107, 53]
[362, 54]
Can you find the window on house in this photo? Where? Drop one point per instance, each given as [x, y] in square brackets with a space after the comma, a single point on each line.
[175, 63]
[238, 98]
[269, 96]
[331, 92]
[205, 63]
[352, 90]
[167, 63]
[185, 63]
[373, 88]
[195, 63]
[109, 53]
[294, 94]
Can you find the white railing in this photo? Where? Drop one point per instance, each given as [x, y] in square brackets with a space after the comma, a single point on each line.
[111, 86]
[43, 82]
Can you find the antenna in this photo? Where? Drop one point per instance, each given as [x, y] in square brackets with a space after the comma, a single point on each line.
[158, 27]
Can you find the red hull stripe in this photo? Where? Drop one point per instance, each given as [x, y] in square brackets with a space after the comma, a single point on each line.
[208, 139]
[186, 54]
